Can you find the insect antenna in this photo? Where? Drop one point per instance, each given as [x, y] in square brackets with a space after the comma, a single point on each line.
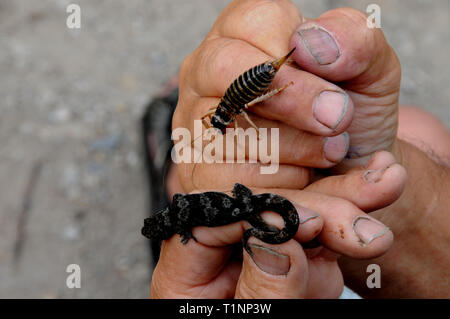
[200, 155]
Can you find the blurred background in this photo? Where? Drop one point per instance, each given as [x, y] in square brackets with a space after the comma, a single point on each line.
[72, 181]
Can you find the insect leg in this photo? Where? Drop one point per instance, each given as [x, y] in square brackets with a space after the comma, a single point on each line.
[208, 114]
[250, 122]
[205, 123]
[268, 95]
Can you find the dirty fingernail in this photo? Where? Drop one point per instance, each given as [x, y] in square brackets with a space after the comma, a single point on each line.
[305, 214]
[269, 260]
[320, 43]
[336, 147]
[374, 175]
[330, 108]
[367, 229]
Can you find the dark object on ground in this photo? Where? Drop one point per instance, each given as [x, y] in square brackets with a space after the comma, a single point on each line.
[157, 144]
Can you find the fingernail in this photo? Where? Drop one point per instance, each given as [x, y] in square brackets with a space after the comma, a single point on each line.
[374, 175]
[330, 107]
[269, 260]
[320, 44]
[336, 147]
[367, 229]
[305, 214]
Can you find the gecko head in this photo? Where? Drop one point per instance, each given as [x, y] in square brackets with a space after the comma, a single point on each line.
[242, 193]
[158, 226]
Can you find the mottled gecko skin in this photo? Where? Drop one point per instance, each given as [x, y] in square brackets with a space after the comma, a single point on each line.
[214, 209]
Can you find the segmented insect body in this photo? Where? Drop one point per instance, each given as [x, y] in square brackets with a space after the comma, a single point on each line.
[248, 89]
[243, 90]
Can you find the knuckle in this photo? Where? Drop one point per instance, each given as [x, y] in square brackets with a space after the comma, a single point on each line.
[214, 56]
[358, 21]
[367, 44]
[357, 17]
[177, 115]
[265, 6]
[296, 148]
[303, 178]
[345, 207]
[185, 66]
[221, 56]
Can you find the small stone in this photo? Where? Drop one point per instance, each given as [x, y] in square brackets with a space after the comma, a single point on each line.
[60, 115]
[71, 232]
[106, 144]
[132, 159]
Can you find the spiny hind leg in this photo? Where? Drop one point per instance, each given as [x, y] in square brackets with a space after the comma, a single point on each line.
[262, 98]
[247, 118]
[208, 114]
[267, 95]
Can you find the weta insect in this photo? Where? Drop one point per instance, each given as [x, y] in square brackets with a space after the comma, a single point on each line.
[214, 209]
[247, 90]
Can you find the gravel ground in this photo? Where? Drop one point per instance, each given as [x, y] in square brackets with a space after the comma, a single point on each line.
[70, 102]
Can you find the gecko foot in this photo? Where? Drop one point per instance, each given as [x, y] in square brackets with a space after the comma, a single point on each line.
[186, 236]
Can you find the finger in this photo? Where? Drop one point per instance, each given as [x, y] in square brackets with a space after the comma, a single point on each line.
[346, 230]
[201, 265]
[266, 25]
[311, 224]
[209, 255]
[288, 144]
[310, 104]
[279, 271]
[339, 46]
[351, 232]
[223, 176]
[296, 147]
[376, 186]
[323, 264]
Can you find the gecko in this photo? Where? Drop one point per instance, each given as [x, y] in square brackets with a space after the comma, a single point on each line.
[214, 209]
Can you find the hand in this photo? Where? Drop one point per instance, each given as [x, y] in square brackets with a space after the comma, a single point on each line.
[312, 114]
[339, 47]
[417, 263]
[213, 268]
[367, 68]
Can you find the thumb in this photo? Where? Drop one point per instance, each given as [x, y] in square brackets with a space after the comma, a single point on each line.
[273, 271]
[340, 47]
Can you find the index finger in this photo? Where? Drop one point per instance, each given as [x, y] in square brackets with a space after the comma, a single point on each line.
[265, 25]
